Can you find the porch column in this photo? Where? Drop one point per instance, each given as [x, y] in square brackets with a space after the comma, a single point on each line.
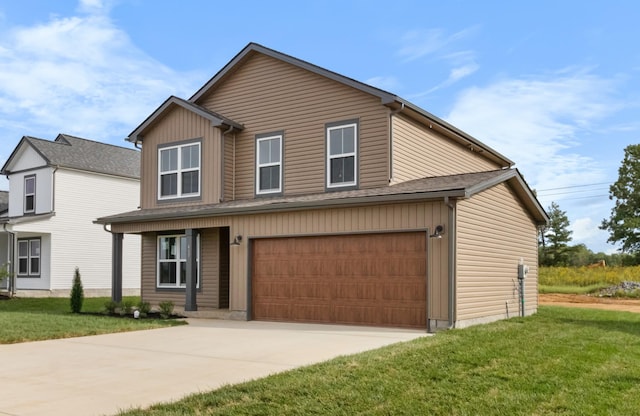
[192, 269]
[116, 267]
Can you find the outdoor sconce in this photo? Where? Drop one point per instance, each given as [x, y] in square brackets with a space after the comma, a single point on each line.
[437, 233]
[236, 241]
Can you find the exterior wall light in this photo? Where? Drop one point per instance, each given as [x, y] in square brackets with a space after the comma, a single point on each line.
[438, 232]
[237, 240]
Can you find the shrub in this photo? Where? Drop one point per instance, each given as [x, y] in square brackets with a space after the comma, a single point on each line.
[77, 293]
[110, 307]
[126, 307]
[144, 308]
[166, 309]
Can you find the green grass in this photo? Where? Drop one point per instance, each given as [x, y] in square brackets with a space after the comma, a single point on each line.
[584, 276]
[27, 319]
[561, 361]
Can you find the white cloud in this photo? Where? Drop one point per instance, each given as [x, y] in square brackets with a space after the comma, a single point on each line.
[80, 75]
[385, 83]
[538, 122]
[419, 43]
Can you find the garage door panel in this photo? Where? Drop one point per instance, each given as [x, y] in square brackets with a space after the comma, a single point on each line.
[366, 279]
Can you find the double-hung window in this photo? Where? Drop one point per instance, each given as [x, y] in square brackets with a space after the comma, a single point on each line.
[179, 171]
[342, 155]
[172, 261]
[29, 257]
[269, 164]
[29, 194]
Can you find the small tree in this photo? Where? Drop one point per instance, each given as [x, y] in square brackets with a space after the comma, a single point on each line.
[555, 238]
[77, 293]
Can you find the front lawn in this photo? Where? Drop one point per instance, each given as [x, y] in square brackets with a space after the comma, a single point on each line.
[561, 361]
[29, 319]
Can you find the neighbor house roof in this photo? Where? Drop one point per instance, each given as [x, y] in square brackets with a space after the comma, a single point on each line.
[77, 153]
[4, 202]
[432, 188]
[386, 98]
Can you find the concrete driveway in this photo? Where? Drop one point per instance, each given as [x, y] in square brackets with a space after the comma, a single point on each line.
[103, 374]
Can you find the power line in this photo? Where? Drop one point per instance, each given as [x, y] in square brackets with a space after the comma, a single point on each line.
[581, 197]
[573, 186]
[574, 192]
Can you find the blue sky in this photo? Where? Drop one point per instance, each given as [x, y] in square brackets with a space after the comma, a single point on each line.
[553, 85]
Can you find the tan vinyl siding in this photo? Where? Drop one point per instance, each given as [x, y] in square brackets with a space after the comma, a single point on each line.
[419, 152]
[494, 232]
[266, 95]
[180, 125]
[208, 293]
[392, 217]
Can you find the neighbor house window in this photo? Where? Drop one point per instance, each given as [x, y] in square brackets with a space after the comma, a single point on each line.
[172, 261]
[29, 194]
[269, 164]
[342, 155]
[179, 171]
[29, 257]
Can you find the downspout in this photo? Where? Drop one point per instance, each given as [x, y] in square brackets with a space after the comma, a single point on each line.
[391, 114]
[222, 175]
[233, 174]
[452, 261]
[12, 277]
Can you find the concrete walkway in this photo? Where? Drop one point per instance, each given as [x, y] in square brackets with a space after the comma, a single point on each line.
[100, 375]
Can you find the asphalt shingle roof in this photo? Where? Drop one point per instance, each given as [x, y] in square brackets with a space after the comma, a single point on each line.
[426, 188]
[77, 153]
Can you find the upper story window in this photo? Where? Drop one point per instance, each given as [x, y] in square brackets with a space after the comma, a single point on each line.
[29, 257]
[342, 154]
[179, 171]
[172, 261]
[269, 164]
[29, 194]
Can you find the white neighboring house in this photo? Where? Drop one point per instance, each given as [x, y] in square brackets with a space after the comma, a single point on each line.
[56, 190]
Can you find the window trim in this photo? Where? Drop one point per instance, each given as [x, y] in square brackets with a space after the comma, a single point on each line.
[179, 170]
[262, 137]
[329, 157]
[177, 262]
[29, 257]
[33, 194]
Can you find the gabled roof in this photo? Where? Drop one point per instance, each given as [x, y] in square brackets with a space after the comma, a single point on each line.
[4, 202]
[82, 154]
[216, 119]
[432, 188]
[386, 98]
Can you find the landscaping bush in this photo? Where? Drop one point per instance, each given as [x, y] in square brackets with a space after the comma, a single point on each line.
[77, 293]
[166, 309]
[126, 307]
[110, 307]
[144, 308]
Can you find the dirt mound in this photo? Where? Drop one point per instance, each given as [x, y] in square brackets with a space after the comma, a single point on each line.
[584, 301]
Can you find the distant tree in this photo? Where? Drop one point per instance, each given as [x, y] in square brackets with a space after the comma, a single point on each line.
[555, 238]
[580, 255]
[624, 223]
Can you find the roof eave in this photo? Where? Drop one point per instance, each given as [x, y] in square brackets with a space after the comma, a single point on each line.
[137, 134]
[289, 206]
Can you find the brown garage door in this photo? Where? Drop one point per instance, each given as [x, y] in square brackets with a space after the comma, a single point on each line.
[365, 279]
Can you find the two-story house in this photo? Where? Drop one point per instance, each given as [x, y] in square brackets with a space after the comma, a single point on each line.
[284, 191]
[56, 190]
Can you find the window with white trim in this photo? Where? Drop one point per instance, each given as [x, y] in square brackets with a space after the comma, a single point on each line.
[29, 194]
[269, 164]
[179, 171]
[342, 155]
[172, 261]
[29, 257]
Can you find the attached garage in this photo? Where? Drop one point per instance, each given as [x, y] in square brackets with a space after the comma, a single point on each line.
[366, 279]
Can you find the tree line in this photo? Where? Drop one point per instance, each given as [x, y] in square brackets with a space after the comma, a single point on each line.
[623, 225]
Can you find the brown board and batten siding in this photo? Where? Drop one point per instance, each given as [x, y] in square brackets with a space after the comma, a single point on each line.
[284, 97]
[180, 125]
[419, 152]
[335, 221]
[208, 295]
[494, 232]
